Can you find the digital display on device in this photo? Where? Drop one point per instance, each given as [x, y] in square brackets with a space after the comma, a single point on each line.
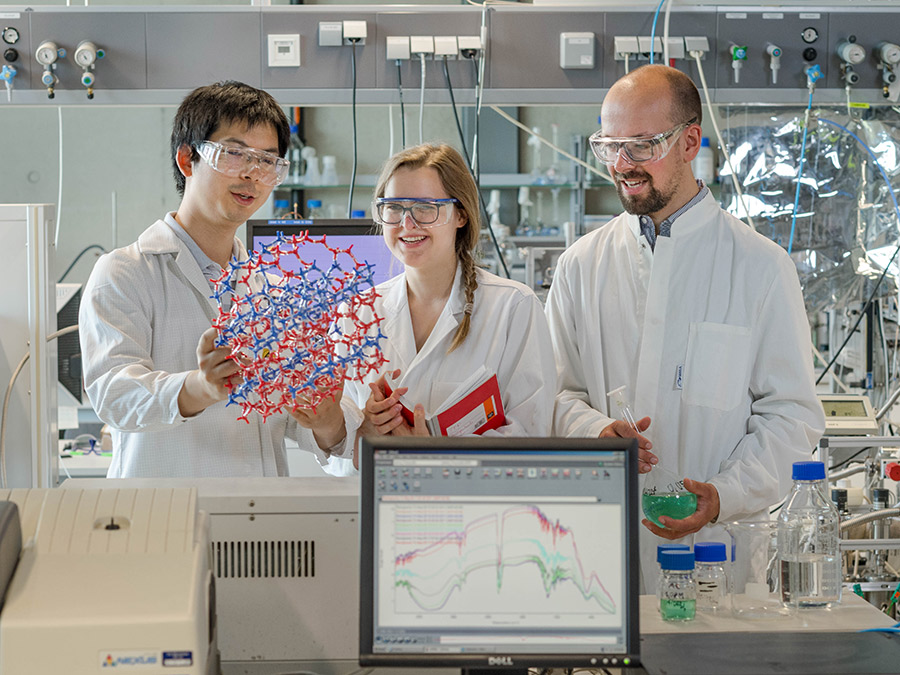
[850, 408]
[518, 552]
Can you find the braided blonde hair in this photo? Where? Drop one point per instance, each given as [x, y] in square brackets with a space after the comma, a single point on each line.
[458, 182]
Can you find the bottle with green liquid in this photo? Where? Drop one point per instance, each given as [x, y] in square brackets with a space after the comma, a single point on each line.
[677, 589]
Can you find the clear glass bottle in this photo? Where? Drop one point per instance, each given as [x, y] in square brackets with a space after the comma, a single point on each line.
[662, 548]
[677, 588]
[709, 573]
[314, 209]
[809, 541]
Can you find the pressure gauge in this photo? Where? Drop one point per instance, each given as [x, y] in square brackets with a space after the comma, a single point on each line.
[85, 54]
[47, 53]
[809, 35]
[10, 35]
[850, 52]
[888, 52]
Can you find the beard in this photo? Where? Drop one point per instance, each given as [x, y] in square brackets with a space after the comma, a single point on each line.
[653, 201]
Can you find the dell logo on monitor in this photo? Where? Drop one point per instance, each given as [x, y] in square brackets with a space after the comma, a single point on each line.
[500, 661]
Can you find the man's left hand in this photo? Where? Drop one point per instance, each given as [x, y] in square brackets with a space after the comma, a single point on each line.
[707, 510]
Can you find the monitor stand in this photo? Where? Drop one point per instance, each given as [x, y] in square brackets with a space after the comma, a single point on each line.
[494, 671]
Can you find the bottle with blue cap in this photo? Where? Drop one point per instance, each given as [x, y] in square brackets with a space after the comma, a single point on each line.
[660, 549]
[709, 573]
[677, 588]
[314, 209]
[809, 541]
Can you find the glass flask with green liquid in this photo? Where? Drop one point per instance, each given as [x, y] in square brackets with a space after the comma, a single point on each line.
[664, 493]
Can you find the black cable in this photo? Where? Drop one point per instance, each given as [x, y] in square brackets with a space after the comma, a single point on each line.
[77, 258]
[462, 137]
[353, 170]
[402, 110]
[862, 314]
[462, 140]
[847, 461]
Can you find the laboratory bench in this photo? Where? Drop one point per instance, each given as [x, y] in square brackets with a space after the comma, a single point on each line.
[810, 642]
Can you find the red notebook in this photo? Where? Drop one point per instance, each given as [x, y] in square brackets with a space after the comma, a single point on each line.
[473, 408]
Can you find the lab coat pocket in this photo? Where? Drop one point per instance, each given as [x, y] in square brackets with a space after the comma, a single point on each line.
[716, 371]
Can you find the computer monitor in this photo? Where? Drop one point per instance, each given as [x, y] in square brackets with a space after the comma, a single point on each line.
[486, 552]
[368, 244]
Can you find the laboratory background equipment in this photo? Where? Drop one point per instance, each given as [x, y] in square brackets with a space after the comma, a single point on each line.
[807, 153]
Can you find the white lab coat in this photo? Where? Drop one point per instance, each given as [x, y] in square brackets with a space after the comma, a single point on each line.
[508, 335]
[710, 335]
[142, 314]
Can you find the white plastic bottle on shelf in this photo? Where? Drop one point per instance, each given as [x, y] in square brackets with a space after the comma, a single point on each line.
[314, 209]
[808, 541]
[329, 170]
[704, 164]
[311, 176]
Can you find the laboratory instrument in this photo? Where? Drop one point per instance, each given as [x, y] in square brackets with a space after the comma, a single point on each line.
[110, 578]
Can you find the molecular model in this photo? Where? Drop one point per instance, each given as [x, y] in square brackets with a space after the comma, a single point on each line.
[294, 324]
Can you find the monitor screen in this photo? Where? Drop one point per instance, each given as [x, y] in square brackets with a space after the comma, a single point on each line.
[368, 244]
[485, 552]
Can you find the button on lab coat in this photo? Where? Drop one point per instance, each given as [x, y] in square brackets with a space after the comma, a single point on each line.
[508, 335]
[710, 336]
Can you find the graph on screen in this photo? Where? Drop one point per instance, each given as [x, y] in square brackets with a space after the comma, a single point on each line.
[477, 563]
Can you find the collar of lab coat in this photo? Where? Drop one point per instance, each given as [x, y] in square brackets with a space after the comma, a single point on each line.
[160, 239]
[398, 325]
[699, 215]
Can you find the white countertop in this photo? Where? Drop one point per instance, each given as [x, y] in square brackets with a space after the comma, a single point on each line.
[853, 614]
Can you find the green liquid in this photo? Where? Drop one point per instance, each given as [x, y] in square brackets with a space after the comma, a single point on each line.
[676, 505]
[677, 610]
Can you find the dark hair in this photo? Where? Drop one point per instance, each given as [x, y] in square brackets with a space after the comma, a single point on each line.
[459, 184]
[205, 109]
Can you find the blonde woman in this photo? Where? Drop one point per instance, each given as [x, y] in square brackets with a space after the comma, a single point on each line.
[444, 318]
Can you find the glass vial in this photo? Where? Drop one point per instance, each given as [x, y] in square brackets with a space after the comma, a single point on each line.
[678, 591]
[710, 576]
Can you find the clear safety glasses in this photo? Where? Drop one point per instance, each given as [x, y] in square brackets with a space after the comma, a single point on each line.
[237, 161]
[637, 149]
[425, 212]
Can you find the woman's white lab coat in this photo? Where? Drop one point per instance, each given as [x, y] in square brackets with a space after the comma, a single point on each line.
[710, 335]
[508, 335]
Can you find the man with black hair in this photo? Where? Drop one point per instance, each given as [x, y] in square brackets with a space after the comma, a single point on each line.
[151, 369]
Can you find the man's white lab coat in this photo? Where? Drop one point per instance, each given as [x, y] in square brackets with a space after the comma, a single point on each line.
[710, 336]
[142, 314]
